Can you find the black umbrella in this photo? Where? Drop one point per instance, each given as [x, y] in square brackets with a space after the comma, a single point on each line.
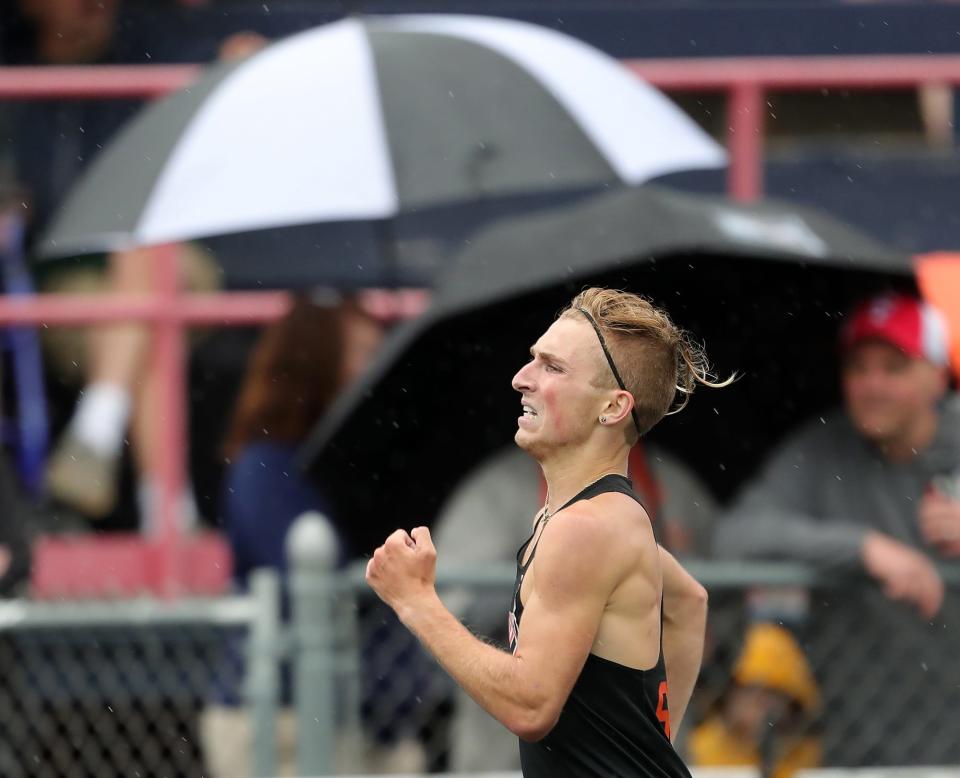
[764, 285]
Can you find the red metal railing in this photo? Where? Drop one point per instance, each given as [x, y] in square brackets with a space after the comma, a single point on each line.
[745, 82]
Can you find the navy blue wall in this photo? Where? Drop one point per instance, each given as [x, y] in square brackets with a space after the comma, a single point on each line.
[641, 29]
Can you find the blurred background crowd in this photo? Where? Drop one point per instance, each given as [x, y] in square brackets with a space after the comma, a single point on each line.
[835, 457]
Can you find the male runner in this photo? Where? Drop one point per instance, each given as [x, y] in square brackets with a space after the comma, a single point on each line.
[601, 617]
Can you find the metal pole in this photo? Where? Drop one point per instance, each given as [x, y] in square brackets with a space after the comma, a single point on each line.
[349, 737]
[262, 682]
[312, 552]
[745, 124]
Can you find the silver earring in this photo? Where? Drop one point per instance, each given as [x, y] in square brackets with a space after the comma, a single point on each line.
[603, 419]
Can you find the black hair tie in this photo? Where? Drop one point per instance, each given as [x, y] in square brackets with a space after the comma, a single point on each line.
[613, 367]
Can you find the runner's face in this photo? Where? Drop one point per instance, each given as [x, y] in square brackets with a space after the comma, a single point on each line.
[559, 395]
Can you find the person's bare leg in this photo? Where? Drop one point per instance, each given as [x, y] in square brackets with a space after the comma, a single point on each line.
[82, 470]
[145, 435]
[117, 351]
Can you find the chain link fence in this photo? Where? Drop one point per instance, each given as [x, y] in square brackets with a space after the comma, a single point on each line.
[125, 688]
[882, 687]
[222, 688]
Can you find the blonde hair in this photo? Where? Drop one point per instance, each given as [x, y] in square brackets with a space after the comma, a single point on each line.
[656, 359]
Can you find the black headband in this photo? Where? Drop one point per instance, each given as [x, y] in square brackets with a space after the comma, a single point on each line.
[613, 367]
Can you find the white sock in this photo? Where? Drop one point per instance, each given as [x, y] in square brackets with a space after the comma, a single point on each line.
[100, 420]
[148, 503]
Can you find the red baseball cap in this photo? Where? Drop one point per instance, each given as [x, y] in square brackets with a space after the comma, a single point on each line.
[915, 327]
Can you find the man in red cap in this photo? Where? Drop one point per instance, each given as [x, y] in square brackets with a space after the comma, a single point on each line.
[875, 489]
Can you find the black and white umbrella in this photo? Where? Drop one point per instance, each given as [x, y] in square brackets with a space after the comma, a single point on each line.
[366, 118]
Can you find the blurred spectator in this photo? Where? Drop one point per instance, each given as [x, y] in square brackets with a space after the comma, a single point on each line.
[67, 32]
[764, 719]
[119, 396]
[299, 366]
[52, 140]
[119, 391]
[501, 496]
[874, 489]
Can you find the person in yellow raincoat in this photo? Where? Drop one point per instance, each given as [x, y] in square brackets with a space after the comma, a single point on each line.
[765, 717]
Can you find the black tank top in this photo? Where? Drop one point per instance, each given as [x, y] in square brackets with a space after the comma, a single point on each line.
[615, 723]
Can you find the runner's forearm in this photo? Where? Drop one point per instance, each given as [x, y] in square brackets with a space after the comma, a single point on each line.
[494, 678]
[684, 626]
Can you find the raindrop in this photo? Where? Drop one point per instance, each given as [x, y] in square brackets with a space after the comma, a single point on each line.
[924, 666]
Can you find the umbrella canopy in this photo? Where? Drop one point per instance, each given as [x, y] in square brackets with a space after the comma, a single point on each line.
[366, 118]
[764, 285]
